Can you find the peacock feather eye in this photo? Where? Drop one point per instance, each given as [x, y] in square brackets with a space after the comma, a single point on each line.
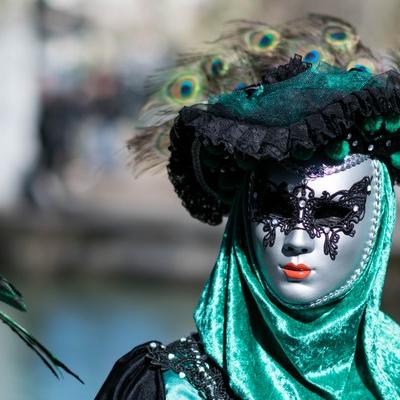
[340, 38]
[363, 64]
[263, 41]
[239, 86]
[312, 56]
[315, 54]
[216, 67]
[266, 40]
[338, 35]
[184, 89]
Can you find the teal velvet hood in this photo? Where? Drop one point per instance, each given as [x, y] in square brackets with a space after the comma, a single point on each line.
[347, 349]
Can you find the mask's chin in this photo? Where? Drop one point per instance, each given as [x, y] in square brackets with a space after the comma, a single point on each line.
[296, 267]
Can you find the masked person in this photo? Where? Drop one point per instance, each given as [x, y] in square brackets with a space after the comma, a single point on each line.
[304, 164]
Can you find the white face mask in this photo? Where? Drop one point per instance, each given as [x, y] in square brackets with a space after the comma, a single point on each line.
[312, 233]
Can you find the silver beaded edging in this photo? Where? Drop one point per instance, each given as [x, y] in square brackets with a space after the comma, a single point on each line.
[349, 161]
[364, 259]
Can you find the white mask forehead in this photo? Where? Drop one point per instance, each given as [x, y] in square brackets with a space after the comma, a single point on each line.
[316, 176]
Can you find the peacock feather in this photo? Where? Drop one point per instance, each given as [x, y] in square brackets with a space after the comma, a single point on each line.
[394, 56]
[243, 53]
[11, 296]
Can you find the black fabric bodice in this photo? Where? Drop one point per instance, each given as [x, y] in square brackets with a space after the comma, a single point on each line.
[138, 374]
[133, 377]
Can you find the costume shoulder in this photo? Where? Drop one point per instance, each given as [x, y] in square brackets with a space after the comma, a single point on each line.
[134, 377]
[154, 371]
[189, 372]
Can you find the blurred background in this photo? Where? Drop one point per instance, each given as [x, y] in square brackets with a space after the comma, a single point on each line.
[106, 261]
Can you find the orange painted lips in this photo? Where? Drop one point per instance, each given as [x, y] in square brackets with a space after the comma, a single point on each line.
[297, 272]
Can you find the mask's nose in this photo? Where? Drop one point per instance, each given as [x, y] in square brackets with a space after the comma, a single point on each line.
[297, 242]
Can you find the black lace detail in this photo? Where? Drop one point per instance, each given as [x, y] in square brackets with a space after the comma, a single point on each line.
[181, 171]
[187, 358]
[295, 66]
[281, 73]
[277, 208]
[279, 143]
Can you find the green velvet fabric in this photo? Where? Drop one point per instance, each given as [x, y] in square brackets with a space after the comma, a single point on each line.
[177, 388]
[347, 349]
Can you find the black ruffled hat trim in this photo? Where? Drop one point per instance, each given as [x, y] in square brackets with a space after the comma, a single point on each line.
[235, 139]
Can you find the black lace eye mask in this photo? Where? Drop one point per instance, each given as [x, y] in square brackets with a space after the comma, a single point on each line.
[276, 207]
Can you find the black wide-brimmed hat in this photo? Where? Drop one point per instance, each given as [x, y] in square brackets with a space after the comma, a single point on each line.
[294, 112]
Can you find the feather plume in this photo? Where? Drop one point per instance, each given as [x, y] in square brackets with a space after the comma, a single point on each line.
[11, 296]
[394, 56]
[240, 56]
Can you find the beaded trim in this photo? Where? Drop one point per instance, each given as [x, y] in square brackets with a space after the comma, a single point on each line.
[364, 258]
[372, 236]
[313, 172]
[187, 359]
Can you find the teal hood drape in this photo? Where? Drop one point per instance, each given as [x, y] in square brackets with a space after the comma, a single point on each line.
[347, 349]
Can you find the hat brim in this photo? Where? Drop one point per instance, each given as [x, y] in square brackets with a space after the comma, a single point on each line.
[233, 139]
